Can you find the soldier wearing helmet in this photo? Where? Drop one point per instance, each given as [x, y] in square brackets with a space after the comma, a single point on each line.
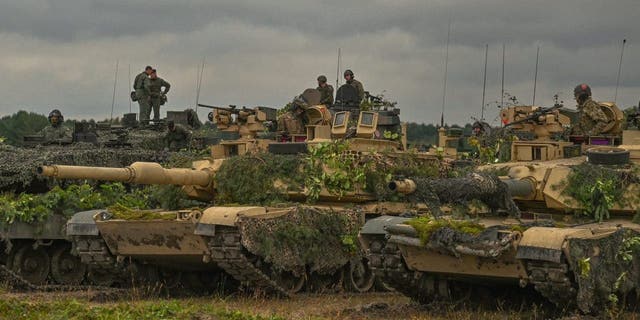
[55, 132]
[592, 120]
[348, 76]
[177, 137]
[326, 91]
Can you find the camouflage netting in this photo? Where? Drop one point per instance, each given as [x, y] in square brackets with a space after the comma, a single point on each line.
[323, 240]
[460, 191]
[18, 165]
[606, 270]
[265, 178]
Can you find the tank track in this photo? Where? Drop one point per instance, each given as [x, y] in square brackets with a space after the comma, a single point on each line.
[387, 263]
[553, 281]
[15, 281]
[93, 251]
[227, 252]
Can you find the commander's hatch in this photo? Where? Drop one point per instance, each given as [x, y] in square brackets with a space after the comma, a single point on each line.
[367, 124]
[340, 124]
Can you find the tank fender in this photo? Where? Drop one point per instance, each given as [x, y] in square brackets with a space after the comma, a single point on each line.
[83, 224]
[378, 225]
[225, 216]
[546, 244]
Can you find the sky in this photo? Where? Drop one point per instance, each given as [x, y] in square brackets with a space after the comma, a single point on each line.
[63, 54]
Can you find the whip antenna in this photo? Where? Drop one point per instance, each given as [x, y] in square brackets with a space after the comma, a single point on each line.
[615, 96]
[484, 84]
[535, 77]
[446, 65]
[502, 87]
[113, 99]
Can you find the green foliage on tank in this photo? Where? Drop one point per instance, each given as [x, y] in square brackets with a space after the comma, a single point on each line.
[426, 226]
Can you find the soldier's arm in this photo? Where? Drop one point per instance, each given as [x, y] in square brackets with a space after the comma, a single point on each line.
[166, 86]
[330, 99]
[361, 91]
[147, 86]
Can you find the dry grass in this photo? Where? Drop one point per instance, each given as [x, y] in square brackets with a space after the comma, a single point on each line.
[374, 306]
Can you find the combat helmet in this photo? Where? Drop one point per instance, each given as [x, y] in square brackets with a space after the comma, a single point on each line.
[56, 113]
[581, 90]
[348, 72]
[322, 78]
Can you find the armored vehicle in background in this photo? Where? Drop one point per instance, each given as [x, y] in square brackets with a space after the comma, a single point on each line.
[569, 228]
[38, 250]
[298, 199]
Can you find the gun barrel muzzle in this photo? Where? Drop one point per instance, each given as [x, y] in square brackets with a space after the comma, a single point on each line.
[405, 186]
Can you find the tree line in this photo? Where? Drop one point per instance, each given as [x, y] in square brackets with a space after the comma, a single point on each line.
[22, 123]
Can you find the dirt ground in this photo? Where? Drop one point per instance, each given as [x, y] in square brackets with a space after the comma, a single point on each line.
[374, 306]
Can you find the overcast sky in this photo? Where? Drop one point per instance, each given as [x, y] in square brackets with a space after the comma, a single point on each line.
[63, 53]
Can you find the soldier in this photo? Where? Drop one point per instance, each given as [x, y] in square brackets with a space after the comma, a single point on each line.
[55, 132]
[326, 91]
[348, 76]
[177, 137]
[143, 94]
[592, 120]
[157, 97]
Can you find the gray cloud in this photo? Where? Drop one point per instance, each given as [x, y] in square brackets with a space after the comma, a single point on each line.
[62, 53]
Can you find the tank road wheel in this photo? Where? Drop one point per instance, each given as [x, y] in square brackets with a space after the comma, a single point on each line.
[32, 264]
[326, 283]
[65, 267]
[289, 281]
[171, 279]
[101, 277]
[360, 277]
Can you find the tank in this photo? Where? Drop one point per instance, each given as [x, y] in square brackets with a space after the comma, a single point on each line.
[563, 223]
[38, 250]
[296, 231]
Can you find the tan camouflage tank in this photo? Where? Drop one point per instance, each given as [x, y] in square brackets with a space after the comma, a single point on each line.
[563, 221]
[284, 208]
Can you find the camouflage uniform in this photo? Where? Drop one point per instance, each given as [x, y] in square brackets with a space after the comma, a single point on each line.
[58, 133]
[155, 91]
[358, 85]
[178, 138]
[326, 94]
[592, 119]
[142, 93]
[291, 123]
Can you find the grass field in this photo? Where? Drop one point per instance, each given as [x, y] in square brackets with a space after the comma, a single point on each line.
[124, 305]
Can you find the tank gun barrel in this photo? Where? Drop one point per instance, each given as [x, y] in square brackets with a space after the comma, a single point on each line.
[138, 172]
[517, 187]
[404, 186]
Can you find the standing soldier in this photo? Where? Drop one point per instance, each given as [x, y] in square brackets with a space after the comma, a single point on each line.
[142, 94]
[326, 91]
[177, 137]
[154, 84]
[55, 132]
[348, 76]
[592, 120]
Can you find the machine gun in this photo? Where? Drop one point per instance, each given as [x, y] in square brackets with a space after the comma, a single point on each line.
[535, 116]
[246, 121]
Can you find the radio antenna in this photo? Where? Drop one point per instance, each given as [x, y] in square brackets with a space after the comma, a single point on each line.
[338, 71]
[446, 65]
[113, 98]
[502, 86]
[484, 84]
[129, 86]
[615, 96]
[535, 77]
